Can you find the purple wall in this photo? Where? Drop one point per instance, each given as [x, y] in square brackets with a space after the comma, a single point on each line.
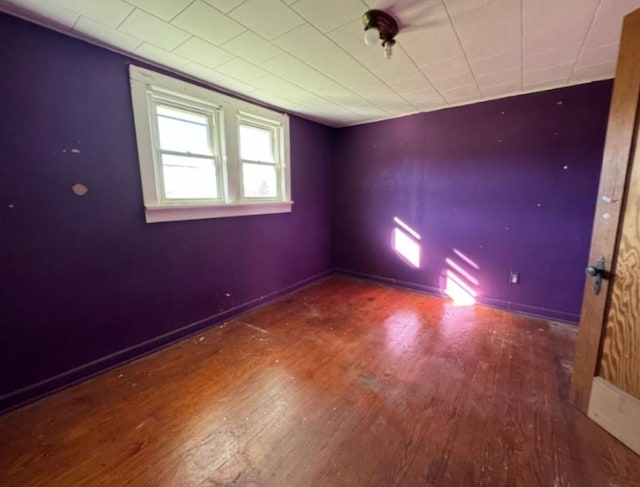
[84, 278]
[510, 183]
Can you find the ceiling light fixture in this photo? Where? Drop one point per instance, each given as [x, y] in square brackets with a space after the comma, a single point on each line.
[379, 25]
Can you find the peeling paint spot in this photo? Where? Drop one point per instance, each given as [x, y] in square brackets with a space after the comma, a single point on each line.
[539, 205]
[559, 103]
[565, 167]
[75, 151]
[606, 199]
[80, 189]
[201, 339]
[227, 294]
[606, 216]
[11, 206]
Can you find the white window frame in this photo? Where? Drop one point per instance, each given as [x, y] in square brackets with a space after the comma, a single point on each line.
[148, 88]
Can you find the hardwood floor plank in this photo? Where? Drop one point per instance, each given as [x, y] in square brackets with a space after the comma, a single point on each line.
[345, 382]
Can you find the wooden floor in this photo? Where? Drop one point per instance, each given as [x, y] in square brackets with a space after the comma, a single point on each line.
[345, 383]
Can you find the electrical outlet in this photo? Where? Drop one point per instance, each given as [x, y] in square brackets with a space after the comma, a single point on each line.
[514, 277]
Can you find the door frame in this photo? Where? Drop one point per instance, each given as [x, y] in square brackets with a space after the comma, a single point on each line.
[618, 152]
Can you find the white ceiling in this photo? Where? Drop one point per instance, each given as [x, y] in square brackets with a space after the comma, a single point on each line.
[308, 56]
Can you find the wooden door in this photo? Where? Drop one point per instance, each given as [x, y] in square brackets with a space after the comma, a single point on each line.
[606, 380]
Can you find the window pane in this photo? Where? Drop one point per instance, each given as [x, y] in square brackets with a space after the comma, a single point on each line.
[189, 177]
[256, 144]
[183, 131]
[259, 181]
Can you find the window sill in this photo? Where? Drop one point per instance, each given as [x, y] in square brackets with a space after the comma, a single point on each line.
[167, 213]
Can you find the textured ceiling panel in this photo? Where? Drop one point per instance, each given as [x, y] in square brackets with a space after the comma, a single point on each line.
[165, 9]
[206, 22]
[91, 29]
[202, 52]
[308, 56]
[328, 15]
[251, 47]
[151, 29]
[110, 13]
[268, 18]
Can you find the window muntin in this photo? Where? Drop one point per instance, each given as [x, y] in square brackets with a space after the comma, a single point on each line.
[204, 155]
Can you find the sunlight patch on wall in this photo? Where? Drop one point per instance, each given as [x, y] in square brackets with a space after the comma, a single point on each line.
[460, 284]
[458, 291]
[461, 272]
[405, 241]
[466, 259]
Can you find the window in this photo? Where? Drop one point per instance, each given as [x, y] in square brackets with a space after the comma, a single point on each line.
[258, 149]
[205, 155]
[187, 152]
